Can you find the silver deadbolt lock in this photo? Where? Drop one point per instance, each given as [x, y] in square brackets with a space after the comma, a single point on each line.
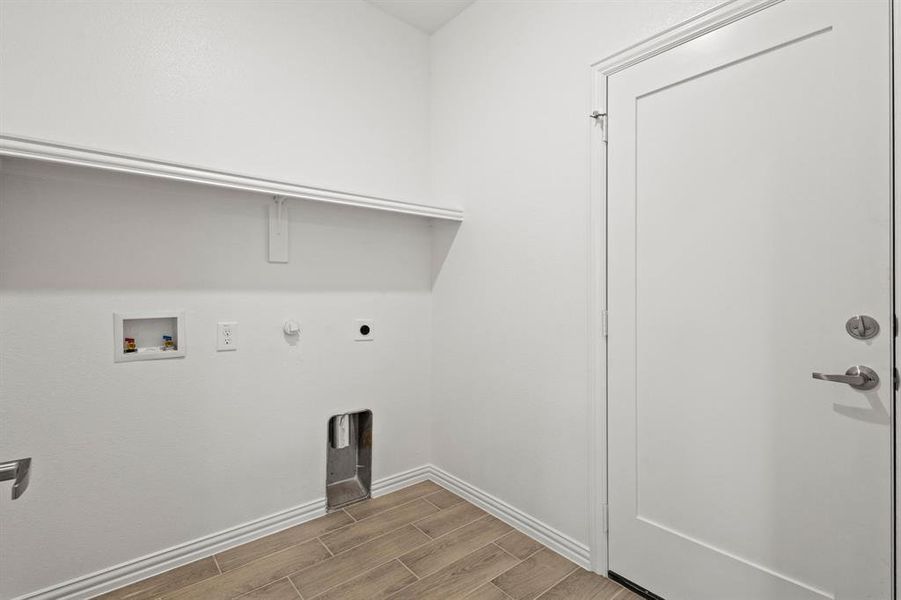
[862, 327]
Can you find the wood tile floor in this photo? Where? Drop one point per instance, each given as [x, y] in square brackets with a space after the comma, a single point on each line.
[419, 543]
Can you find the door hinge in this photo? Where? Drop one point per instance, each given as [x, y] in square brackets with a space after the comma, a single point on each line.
[605, 517]
[601, 119]
[604, 323]
[895, 325]
[896, 378]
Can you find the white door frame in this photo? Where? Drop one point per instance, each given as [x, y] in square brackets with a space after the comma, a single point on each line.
[707, 21]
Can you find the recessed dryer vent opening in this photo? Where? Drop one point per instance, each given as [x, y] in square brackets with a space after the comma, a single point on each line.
[349, 459]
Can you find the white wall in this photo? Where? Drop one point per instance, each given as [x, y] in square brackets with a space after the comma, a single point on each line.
[510, 93]
[132, 458]
[321, 93]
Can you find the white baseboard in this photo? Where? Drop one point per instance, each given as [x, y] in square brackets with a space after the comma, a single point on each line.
[392, 483]
[88, 586]
[125, 573]
[559, 542]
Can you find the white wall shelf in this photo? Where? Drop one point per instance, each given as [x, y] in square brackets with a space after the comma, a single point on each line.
[59, 153]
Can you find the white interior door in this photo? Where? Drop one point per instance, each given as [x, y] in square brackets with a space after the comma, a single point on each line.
[749, 217]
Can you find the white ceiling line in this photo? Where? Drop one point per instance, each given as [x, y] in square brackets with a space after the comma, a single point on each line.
[426, 15]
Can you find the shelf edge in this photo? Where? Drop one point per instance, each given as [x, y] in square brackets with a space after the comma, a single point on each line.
[22, 147]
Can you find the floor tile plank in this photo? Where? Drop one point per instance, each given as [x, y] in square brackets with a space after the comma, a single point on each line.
[583, 585]
[241, 555]
[444, 499]
[377, 584]
[449, 519]
[535, 575]
[489, 591]
[347, 565]
[164, 583]
[255, 574]
[280, 590]
[519, 545]
[454, 546]
[380, 524]
[420, 543]
[388, 501]
[460, 577]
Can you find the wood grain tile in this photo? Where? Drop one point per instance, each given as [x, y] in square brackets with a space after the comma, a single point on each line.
[280, 590]
[518, 544]
[449, 519]
[256, 574]
[489, 591]
[241, 555]
[533, 576]
[388, 501]
[444, 499]
[454, 546]
[377, 584]
[460, 577]
[380, 524]
[459, 552]
[583, 585]
[163, 583]
[347, 565]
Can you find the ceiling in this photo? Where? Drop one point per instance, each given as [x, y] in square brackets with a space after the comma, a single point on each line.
[425, 15]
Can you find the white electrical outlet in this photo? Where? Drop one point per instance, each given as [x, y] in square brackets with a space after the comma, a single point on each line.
[227, 338]
[364, 330]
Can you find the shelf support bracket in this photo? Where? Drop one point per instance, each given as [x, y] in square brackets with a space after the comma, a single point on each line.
[278, 230]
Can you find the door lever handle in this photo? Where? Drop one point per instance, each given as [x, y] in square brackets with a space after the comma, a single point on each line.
[20, 471]
[859, 377]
